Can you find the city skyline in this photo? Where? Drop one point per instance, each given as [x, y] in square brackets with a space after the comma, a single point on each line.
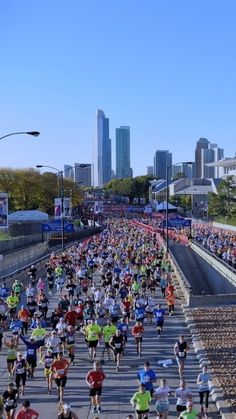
[171, 83]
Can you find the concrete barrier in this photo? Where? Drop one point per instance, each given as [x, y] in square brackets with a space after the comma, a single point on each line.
[15, 243]
[12, 261]
[218, 265]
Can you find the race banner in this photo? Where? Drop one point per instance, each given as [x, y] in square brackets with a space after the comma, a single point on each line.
[58, 208]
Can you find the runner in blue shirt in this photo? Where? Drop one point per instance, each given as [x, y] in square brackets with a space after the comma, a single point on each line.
[158, 314]
[147, 377]
[123, 327]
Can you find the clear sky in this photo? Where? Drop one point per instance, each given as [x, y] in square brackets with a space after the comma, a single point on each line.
[166, 68]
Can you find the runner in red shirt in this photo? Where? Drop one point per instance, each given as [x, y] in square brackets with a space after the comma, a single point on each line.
[26, 412]
[59, 369]
[137, 332]
[71, 317]
[94, 379]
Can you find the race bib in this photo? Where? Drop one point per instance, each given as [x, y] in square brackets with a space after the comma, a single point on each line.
[181, 354]
[30, 351]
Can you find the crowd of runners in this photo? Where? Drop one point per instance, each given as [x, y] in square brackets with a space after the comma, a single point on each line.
[107, 291]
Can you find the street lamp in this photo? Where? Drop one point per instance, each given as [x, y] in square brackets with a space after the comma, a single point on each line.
[62, 196]
[167, 199]
[60, 172]
[33, 133]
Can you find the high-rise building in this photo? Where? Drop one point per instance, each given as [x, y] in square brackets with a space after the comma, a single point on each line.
[162, 159]
[122, 152]
[68, 172]
[103, 149]
[184, 168]
[83, 173]
[211, 155]
[150, 170]
[202, 144]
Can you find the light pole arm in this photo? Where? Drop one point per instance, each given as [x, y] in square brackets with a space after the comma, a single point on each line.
[33, 133]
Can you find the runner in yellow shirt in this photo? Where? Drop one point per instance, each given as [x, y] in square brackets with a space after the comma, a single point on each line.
[93, 334]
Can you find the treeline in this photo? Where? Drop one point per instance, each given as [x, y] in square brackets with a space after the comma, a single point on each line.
[137, 187]
[28, 189]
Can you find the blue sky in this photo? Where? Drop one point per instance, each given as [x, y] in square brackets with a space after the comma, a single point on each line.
[166, 68]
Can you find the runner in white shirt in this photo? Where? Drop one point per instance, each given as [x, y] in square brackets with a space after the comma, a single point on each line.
[161, 395]
[183, 395]
[54, 342]
[149, 309]
[61, 328]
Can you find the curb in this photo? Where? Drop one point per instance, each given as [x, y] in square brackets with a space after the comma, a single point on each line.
[216, 392]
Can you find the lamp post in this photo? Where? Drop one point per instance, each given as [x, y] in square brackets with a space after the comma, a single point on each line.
[62, 196]
[167, 199]
[33, 133]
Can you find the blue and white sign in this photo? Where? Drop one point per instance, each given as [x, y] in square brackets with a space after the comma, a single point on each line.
[55, 225]
[177, 222]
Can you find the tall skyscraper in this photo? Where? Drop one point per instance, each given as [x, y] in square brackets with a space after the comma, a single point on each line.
[68, 172]
[103, 148]
[185, 168]
[150, 170]
[83, 174]
[211, 155]
[122, 152]
[202, 144]
[162, 159]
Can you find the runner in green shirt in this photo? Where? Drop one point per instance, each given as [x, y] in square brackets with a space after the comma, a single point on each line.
[140, 401]
[189, 413]
[108, 331]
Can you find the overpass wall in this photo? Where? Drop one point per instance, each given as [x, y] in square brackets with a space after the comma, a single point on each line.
[216, 271]
[12, 261]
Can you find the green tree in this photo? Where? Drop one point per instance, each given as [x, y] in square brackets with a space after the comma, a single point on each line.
[224, 202]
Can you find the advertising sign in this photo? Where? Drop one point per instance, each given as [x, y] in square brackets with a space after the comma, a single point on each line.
[3, 210]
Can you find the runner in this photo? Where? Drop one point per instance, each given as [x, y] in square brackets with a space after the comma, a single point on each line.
[183, 395]
[147, 377]
[189, 413]
[137, 332]
[159, 314]
[123, 327]
[140, 401]
[204, 389]
[67, 413]
[180, 351]
[117, 344]
[11, 345]
[47, 360]
[26, 412]
[162, 402]
[31, 353]
[59, 369]
[70, 344]
[10, 397]
[95, 380]
[108, 331]
[93, 334]
[20, 369]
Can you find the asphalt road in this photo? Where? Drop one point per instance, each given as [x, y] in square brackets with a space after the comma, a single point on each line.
[118, 387]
